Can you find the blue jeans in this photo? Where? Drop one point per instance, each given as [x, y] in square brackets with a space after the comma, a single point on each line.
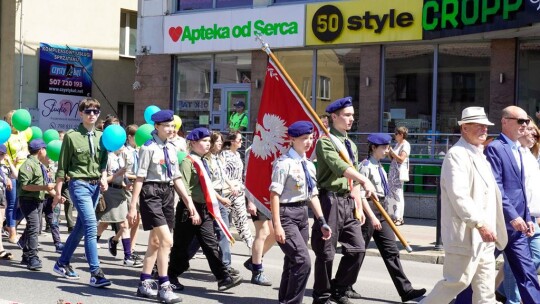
[84, 197]
[509, 286]
[13, 214]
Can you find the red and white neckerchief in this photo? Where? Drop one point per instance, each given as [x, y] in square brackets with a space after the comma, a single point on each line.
[210, 196]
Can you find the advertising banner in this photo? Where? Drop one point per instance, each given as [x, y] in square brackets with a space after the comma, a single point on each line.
[281, 26]
[363, 21]
[59, 112]
[65, 70]
[445, 18]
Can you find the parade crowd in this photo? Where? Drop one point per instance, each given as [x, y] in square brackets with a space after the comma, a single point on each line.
[186, 190]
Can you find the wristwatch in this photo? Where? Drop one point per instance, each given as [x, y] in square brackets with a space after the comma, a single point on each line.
[479, 225]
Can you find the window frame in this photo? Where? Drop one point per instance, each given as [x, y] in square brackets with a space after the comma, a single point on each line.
[128, 15]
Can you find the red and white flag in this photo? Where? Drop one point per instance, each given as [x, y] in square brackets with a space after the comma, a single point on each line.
[280, 107]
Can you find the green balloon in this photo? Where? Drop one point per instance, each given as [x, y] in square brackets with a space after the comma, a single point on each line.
[36, 133]
[50, 135]
[181, 156]
[53, 149]
[21, 119]
[143, 134]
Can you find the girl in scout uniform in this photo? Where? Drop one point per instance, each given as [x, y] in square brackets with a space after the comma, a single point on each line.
[131, 155]
[293, 187]
[376, 225]
[157, 171]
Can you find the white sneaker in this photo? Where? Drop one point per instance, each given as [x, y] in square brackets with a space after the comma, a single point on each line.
[146, 289]
[133, 262]
[167, 295]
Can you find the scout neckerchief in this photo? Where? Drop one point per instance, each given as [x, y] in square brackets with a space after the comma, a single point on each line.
[309, 181]
[210, 195]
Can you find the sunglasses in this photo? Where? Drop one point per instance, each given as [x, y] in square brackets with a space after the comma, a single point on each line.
[520, 121]
[91, 111]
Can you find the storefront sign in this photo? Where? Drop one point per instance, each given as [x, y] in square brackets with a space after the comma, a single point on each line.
[65, 70]
[281, 26]
[365, 21]
[444, 18]
[193, 105]
[59, 112]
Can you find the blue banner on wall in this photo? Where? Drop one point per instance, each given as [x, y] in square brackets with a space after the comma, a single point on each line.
[65, 70]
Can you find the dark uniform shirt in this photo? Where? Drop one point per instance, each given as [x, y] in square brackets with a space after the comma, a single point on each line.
[30, 174]
[75, 159]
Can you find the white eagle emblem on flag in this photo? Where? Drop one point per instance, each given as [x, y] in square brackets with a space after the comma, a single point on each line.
[269, 138]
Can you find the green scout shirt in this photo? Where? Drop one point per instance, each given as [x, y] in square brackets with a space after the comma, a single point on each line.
[192, 182]
[330, 166]
[75, 160]
[237, 121]
[30, 174]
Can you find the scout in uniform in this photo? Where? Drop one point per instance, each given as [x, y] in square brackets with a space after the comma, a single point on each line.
[339, 185]
[157, 172]
[293, 188]
[376, 225]
[186, 228]
[84, 161]
[32, 183]
[238, 120]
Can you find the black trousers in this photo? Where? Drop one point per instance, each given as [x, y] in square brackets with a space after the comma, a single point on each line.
[184, 232]
[339, 214]
[386, 243]
[31, 209]
[296, 263]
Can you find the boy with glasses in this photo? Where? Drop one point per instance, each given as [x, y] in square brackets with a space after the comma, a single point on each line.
[84, 161]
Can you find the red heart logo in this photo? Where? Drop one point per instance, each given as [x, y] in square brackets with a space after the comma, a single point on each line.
[175, 33]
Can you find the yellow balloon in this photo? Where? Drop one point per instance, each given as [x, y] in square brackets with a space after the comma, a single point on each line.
[28, 134]
[177, 122]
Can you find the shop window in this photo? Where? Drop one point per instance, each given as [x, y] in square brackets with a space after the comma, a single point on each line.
[324, 88]
[128, 34]
[528, 75]
[186, 5]
[463, 87]
[406, 87]
[233, 68]
[126, 113]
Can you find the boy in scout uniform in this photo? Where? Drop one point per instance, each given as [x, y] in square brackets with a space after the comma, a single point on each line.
[186, 228]
[293, 188]
[84, 161]
[335, 177]
[157, 172]
[32, 183]
[376, 225]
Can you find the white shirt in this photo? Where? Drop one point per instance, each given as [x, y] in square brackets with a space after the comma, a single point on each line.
[514, 145]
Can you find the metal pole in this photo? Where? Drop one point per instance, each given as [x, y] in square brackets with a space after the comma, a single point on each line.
[438, 241]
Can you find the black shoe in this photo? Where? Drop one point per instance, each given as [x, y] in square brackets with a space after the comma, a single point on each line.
[248, 264]
[233, 271]
[34, 264]
[352, 294]
[228, 283]
[113, 250]
[340, 299]
[25, 260]
[70, 229]
[176, 285]
[500, 297]
[413, 294]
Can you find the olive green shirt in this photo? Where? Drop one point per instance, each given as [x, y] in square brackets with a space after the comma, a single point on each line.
[192, 182]
[330, 166]
[30, 174]
[75, 160]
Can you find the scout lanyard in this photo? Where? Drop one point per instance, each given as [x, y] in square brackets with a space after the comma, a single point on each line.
[210, 196]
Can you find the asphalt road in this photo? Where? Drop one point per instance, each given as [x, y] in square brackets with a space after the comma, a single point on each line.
[19, 285]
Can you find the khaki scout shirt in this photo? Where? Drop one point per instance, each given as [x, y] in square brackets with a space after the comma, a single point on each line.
[289, 179]
[30, 174]
[114, 163]
[75, 160]
[192, 182]
[131, 155]
[370, 169]
[330, 166]
[152, 164]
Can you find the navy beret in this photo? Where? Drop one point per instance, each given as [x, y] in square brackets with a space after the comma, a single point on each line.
[162, 116]
[300, 128]
[379, 138]
[3, 149]
[198, 134]
[36, 144]
[339, 104]
[240, 103]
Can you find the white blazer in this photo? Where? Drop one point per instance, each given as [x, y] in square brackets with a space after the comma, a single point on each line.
[466, 182]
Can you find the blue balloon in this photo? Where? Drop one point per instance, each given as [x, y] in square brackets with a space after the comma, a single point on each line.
[5, 131]
[114, 137]
[150, 110]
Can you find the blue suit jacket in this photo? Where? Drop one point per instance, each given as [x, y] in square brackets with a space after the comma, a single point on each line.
[510, 181]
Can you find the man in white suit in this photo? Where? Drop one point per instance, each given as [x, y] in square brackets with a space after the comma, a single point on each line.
[472, 218]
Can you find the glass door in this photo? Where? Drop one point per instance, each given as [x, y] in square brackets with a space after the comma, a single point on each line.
[224, 98]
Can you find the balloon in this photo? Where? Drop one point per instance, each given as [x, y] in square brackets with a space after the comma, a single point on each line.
[181, 155]
[150, 110]
[53, 149]
[114, 137]
[5, 131]
[177, 123]
[28, 134]
[21, 119]
[143, 134]
[36, 133]
[50, 135]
